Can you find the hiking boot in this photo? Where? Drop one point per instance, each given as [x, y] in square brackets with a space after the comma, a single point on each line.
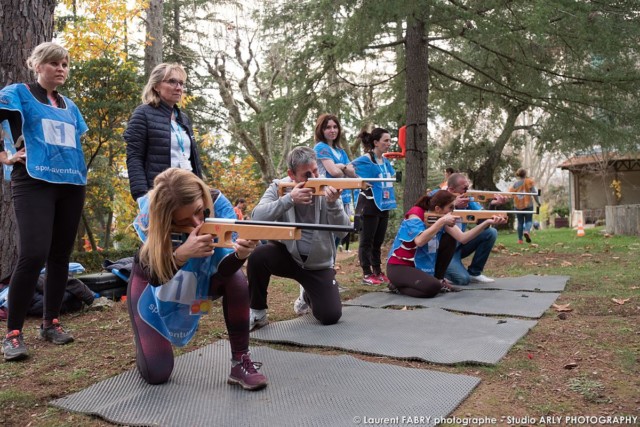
[301, 307]
[371, 279]
[245, 374]
[55, 333]
[527, 237]
[481, 278]
[257, 319]
[382, 278]
[13, 346]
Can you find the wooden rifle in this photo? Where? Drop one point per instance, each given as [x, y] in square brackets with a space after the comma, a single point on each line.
[484, 196]
[223, 229]
[474, 216]
[318, 184]
[466, 216]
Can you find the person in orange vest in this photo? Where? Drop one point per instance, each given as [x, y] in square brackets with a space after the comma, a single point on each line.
[241, 205]
[524, 203]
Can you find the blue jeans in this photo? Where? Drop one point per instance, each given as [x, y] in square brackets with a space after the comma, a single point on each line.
[525, 221]
[481, 248]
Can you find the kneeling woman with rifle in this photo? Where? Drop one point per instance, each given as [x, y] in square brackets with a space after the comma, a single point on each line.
[425, 244]
[172, 283]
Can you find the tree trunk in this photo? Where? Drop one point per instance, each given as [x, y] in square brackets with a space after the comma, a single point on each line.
[483, 177]
[153, 47]
[417, 90]
[24, 24]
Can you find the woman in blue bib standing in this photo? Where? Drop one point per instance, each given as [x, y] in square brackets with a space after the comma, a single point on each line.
[333, 160]
[374, 203]
[159, 135]
[48, 189]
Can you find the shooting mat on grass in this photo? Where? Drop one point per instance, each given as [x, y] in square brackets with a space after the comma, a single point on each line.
[429, 334]
[529, 282]
[488, 302]
[305, 389]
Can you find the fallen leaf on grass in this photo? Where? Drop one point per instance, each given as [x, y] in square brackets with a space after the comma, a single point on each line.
[635, 287]
[562, 307]
[515, 254]
[534, 245]
[586, 255]
[620, 301]
[571, 365]
[565, 264]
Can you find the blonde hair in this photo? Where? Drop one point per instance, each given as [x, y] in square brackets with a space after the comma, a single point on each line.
[172, 189]
[44, 53]
[149, 94]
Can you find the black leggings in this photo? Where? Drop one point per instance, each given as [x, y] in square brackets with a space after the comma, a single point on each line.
[47, 216]
[154, 353]
[416, 283]
[372, 235]
[319, 285]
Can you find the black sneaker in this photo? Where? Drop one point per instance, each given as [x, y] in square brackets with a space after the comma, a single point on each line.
[13, 346]
[55, 333]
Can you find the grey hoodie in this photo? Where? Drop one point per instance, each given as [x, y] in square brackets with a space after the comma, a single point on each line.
[282, 209]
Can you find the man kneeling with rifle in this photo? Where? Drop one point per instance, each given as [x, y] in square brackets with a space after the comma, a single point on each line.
[308, 260]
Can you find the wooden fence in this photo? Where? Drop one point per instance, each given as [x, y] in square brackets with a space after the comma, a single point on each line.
[623, 219]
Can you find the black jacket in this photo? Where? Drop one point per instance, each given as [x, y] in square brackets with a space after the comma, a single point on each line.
[148, 138]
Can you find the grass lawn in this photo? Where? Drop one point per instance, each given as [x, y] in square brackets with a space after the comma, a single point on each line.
[584, 362]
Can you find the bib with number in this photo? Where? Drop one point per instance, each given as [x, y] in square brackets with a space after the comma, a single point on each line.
[51, 136]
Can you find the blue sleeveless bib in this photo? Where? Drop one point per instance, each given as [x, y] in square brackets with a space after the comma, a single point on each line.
[425, 257]
[338, 155]
[174, 308]
[384, 195]
[51, 136]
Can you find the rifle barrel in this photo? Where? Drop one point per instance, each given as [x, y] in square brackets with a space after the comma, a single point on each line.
[301, 225]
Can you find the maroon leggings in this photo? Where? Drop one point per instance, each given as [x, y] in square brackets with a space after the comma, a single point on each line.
[154, 354]
[416, 283]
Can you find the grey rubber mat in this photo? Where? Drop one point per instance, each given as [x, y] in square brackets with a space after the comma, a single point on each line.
[429, 334]
[488, 302]
[529, 282]
[305, 389]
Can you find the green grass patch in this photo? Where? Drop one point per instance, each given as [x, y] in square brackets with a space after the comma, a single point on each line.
[17, 398]
[591, 390]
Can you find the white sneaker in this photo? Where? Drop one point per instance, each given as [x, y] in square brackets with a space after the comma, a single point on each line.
[301, 307]
[257, 319]
[481, 278]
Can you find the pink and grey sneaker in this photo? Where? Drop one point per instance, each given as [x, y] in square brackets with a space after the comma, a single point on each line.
[245, 373]
[382, 278]
[371, 279]
[55, 333]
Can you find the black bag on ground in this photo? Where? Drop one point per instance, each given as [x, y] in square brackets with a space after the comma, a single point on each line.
[75, 295]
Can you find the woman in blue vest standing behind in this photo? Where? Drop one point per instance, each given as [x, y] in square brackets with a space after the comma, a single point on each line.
[374, 203]
[159, 135]
[48, 189]
[333, 160]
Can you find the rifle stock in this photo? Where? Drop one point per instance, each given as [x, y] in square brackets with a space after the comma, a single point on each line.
[318, 184]
[223, 229]
[466, 216]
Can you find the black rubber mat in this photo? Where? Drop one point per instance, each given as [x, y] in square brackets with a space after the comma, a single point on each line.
[305, 389]
[529, 282]
[489, 302]
[428, 334]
